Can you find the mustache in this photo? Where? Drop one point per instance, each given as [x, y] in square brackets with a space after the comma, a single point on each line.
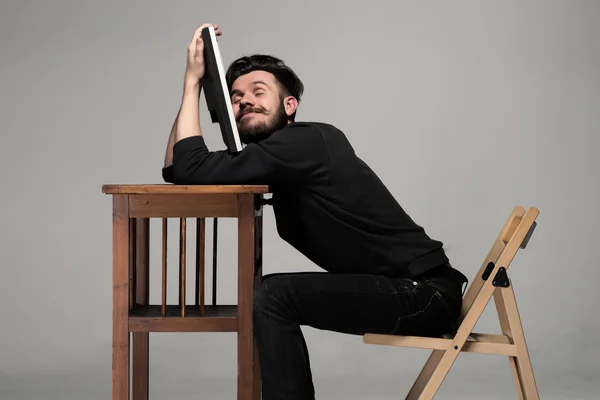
[241, 113]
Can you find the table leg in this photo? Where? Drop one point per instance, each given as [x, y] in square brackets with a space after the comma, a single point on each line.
[247, 362]
[257, 282]
[121, 250]
[141, 346]
[140, 362]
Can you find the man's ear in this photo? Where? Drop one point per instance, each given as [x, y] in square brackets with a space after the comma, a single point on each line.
[290, 105]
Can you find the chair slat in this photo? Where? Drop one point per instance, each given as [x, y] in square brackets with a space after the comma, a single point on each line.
[142, 260]
[132, 262]
[182, 250]
[476, 343]
[214, 274]
[164, 267]
[200, 265]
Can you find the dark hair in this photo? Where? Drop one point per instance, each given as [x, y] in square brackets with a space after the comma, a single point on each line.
[289, 83]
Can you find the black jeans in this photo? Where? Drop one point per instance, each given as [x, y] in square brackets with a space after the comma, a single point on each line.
[351, 304]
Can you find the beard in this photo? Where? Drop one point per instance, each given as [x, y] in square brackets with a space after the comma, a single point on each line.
[252, 132]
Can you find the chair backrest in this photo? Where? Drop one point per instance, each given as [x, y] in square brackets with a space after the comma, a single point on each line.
[515, 235]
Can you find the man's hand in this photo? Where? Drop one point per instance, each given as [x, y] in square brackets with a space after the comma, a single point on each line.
[195, 56]
[187, 122]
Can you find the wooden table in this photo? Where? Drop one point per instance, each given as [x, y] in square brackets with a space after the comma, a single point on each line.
[133, 206]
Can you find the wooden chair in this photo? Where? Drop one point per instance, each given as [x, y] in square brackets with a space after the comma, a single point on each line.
[514, 235]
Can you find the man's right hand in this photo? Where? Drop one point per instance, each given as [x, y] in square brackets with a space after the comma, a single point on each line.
[195, 55]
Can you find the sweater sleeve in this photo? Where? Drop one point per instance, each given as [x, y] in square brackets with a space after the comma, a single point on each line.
[293, 154]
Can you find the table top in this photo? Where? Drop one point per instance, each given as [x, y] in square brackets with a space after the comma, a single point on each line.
[182, 189]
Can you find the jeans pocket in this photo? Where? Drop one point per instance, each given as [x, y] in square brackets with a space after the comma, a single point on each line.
[445, 290]
[452, 305]
[431, 318]
[449, 313]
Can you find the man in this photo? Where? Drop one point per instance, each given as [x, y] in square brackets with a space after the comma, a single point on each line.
[383, 273]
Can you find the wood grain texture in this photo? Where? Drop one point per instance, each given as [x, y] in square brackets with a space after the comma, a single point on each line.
[164, 266]
[258, 272]
[492, 256]
[142, 260]
[182, 189]
[216, 319]
[132, 228]
[246, 267]
[506, 330]
[182, 260]
[425, 374]
[511, 343]
[141, 340]
[480, 343]
[523, 366]
[177, 206]
[200, 263]
[215, 253]
[479, 304]
[133, 205]
[121, 259]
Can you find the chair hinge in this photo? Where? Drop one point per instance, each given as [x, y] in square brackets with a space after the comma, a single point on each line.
[501, 279]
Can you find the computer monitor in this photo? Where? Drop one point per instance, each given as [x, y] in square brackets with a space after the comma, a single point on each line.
[216, 92]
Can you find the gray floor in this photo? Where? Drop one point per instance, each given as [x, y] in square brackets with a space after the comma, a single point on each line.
[95, 385]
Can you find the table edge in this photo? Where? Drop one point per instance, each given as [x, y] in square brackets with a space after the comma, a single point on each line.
[182, 189]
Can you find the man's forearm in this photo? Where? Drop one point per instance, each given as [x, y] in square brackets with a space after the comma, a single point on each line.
[188, 121]
[191, 123]
[171, 142]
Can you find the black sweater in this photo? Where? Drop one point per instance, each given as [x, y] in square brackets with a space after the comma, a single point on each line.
[327, 202]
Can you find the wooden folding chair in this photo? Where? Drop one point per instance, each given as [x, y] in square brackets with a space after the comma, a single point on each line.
[514, 235]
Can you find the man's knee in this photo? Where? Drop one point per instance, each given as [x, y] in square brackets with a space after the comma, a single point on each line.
[262, 298]
[272, 295]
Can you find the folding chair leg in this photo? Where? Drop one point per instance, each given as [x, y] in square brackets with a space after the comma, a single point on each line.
[439, 374]
[467, 325]
[517, 377]
[505, 325]
[523, 362]
[425, 375]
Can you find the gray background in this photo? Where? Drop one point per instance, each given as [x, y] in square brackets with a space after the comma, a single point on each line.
[463, 108]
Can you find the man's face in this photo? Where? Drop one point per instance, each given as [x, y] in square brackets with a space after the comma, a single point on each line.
[258, 106]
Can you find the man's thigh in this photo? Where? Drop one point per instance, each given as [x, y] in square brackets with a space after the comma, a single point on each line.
[359, 303]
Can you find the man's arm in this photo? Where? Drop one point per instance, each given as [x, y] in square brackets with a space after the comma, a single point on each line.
[187, 120]
[285, 156]
[171, 142]
[293, 154]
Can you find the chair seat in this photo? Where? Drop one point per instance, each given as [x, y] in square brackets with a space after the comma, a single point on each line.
[476, 343]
